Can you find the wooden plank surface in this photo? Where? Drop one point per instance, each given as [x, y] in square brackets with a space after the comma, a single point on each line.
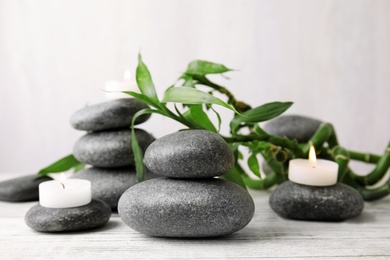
[267, 236]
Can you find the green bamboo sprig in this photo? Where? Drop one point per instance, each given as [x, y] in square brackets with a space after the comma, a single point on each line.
[276, 151]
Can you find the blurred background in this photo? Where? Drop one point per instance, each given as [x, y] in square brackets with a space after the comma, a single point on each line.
[330, 57]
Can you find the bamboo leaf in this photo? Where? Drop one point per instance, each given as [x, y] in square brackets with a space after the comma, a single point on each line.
[202, 67]
[141, 97]
[218, 117]
[259, 114]
[234, 175]
[79, 167]
[188, 81]
[62, 165]
[259, 131]
[144, 81]
[253, 165]
[138, 157]
[137, 151]
[193, 96]
[197, 116]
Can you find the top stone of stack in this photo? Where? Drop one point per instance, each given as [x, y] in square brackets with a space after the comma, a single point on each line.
[189, 154]
[108, 115]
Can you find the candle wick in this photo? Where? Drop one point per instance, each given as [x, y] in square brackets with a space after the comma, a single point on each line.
[63, 186]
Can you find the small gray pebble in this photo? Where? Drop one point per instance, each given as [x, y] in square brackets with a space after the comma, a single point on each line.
[329, 203]
[109, 184]
[167, 207]
[92, 215]
[109, 148]
[23, 188]
[189, 154]
[293, 127]
[108, 115]
[265, 168]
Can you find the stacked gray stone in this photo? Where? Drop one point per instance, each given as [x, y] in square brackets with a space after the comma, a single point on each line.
[107, 146]
[188, 201]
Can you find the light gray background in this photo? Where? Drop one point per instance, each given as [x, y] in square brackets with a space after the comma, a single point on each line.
[332, 58]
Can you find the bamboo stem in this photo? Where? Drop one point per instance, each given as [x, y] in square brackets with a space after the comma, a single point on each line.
[365, 157]
[263, 184]
[378, 172]
[240, 106]
[374, 194]
[341, 157]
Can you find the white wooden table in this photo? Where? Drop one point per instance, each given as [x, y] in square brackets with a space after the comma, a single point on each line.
[266, 236]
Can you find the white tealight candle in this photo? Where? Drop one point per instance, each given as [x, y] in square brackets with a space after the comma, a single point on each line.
[313, 172]
[65, 194]
[114, 88]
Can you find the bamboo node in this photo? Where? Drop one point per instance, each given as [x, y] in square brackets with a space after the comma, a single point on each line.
[341, 156]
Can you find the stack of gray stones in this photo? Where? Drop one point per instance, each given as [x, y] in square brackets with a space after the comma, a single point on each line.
[107, 146]
[188, 201]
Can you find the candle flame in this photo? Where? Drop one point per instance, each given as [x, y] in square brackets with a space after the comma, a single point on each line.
[127, 75]
[312, 156]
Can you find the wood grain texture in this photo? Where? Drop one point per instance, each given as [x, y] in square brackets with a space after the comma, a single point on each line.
[267, 236]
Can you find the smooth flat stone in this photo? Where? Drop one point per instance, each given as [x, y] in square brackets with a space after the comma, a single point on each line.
[167, 207]
[109, 148]
[108, 115]
[329, 203]
[109, 184]
[189, 154]
[23, 188]
[293, 127]
[93, 215]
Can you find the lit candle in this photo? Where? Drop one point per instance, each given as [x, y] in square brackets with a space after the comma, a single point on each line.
[65, 193]
[313, 172]
[114, 88]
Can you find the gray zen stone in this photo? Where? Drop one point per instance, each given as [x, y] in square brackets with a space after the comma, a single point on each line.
[109, 184]
[93, 215]
[293, 127]
[330, 203]
[23, 188]
[265, 168]
[189, 154]
[166, 207]
[109, 148]
[108, 115]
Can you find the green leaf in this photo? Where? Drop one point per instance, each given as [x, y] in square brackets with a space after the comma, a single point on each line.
[193, 96]
[218, 117]
[253, 164]
[259, 131]
[201, 67]
[79, 167]
[234, 175]
[259, 114]
[144, 81]
[138, 157]
[197, 116]
[137, 151]
[61, 165]
[188, 81]
[141, 97]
